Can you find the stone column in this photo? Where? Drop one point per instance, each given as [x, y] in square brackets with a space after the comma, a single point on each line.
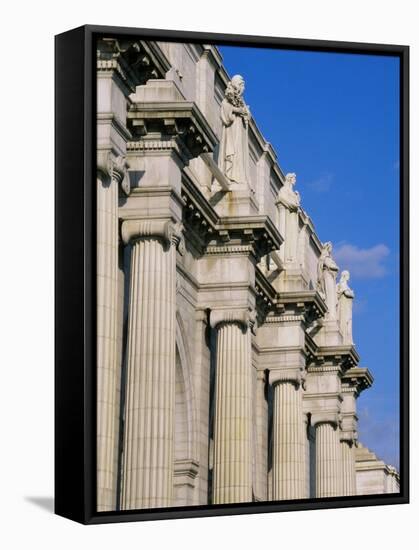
[150, 385]
[348, 467]
[289, 441]
[233, 407]
[108, 363]
[261, 443]
[328, 455]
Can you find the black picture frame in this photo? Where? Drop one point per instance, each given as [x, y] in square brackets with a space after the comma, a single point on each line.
[75, 308]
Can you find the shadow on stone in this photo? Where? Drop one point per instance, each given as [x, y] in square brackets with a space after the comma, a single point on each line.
[46, 503]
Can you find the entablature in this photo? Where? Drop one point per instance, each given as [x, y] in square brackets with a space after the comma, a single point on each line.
[225, 235]
[306, 303]
[358, 379]
[342, 358]
[135, 61]
[155, 123]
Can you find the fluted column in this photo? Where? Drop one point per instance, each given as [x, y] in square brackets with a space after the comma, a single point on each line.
[348, 467]
[150, 384]
[261, 443]
[289, 442]
[328, 455]
[233, 405]
[108, 364]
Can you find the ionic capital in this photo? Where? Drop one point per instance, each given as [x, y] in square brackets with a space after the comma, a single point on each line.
[261, 375]
[165, 230]
[293, 375]
[120, 173]
[350, 437]
[325, 417]
[104, 162]
[113, 168]
[242, 317]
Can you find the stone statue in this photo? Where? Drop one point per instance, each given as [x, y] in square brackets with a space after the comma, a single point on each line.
[233, 157]
[345, 300]
[326, 274]
[288, 202]
[287, 196]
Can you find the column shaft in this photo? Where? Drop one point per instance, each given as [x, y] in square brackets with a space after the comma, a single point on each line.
[288, 461]
[348, 467]
[150, 387]
[108, 365]
[328, 461]
[233, 424]
[261, 443]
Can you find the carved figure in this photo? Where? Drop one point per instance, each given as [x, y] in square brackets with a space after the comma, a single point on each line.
[288, 202]
[234, 149]
[287, 196]
[345, 301]
[326, 273]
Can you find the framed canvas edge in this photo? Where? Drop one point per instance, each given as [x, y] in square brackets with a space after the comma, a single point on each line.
[68, 376]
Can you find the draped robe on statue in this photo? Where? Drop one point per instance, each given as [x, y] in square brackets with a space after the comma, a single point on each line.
[327, 272]
[345, 300]
[234, 148]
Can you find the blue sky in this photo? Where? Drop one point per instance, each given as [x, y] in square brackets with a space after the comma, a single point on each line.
[334, 120]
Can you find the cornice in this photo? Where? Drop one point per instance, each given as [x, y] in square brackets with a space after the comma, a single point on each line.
[306, 305]
[344, 357]
[358, 379]
[256, 235]
[134, 61]
[165, 121]
[258, 230]
[309, 301]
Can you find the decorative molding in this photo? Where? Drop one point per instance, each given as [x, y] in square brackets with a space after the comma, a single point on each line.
[277, 319]
[153, 145]
[235, 250]
[323, 368]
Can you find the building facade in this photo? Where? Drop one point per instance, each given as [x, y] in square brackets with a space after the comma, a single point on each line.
[226, 370]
